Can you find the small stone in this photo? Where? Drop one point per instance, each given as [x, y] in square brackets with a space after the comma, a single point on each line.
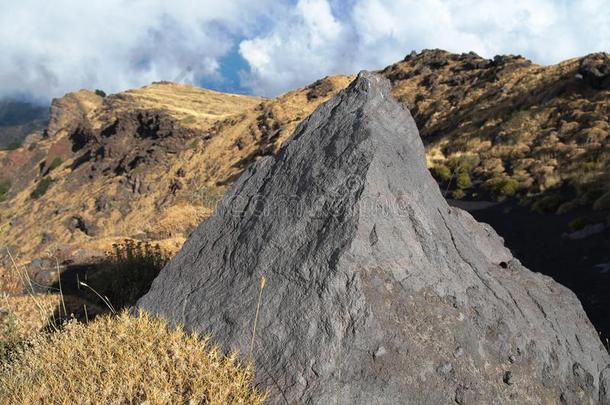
[508, 378]
[459, 395]
[458, 352]
[380, 352]
[512, 358]
[445, 368]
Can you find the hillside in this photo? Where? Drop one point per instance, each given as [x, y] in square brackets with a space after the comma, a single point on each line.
[151, 163]
[508, 127]
[18, 119]
[147, 163]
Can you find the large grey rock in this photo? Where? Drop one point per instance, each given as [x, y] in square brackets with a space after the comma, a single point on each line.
[376, 290]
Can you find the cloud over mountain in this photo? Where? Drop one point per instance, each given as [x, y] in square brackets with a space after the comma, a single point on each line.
[51, 48]
[320, 37]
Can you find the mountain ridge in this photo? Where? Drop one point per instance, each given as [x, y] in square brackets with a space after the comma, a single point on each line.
[488, 157]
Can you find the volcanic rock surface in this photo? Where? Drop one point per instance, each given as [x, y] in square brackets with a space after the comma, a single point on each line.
[376, 291]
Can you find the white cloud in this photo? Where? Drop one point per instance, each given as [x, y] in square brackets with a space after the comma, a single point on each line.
[49, 48]
[301, 46]
[375, 33]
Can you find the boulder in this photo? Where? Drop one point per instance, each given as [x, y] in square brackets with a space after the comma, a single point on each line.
[595, 70]
[339, 269]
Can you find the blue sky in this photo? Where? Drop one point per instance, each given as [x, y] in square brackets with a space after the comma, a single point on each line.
[269, 47]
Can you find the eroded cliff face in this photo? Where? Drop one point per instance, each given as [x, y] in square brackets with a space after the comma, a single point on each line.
[365, 286]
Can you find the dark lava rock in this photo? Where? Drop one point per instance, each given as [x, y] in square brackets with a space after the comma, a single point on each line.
[595, 70]
[359, 251]
[77, 222]
[319, 88]
[508, 378]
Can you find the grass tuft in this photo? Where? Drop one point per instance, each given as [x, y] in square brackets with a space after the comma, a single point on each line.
[125, 359]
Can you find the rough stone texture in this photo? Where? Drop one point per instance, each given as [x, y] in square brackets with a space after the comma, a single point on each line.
[595, 70]
[376, 290]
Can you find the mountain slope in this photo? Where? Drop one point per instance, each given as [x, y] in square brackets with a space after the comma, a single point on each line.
[151, 162]
[514, 127]
[146, 163]
[18, 119]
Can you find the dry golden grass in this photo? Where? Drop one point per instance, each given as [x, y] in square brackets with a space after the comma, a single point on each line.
[30, 314]
[192, 106]
[9, 281]
[124, 360]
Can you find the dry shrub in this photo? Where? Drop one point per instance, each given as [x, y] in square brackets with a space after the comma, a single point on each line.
[125, 360]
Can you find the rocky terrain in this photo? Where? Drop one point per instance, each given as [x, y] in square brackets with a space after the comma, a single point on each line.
[338, 266]
[152, 163]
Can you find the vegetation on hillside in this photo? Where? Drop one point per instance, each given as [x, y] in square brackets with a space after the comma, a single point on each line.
[127, 272]
[55, 163]
[41, 187]
[535, 130]
[11, 146]
[5, 186]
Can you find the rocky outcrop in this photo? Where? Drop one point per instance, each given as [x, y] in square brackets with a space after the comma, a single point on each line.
[595, 70]
[72, 111]
[340, 269]
[127, 140]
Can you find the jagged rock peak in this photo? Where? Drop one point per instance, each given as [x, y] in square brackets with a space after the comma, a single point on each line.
[376, 291]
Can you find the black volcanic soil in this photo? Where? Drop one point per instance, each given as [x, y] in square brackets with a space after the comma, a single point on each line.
[537, 241]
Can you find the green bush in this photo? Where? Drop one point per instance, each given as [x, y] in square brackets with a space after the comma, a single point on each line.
[509, 187]
[458, 194]
[441, 172]
[548, 204]
[5, 186]
[463, 163]
[578, 223]
[55, 163]
[11, 146]
[41, 188]
[502, 186]
[463, 180]
[128, 272]
[100, 93]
